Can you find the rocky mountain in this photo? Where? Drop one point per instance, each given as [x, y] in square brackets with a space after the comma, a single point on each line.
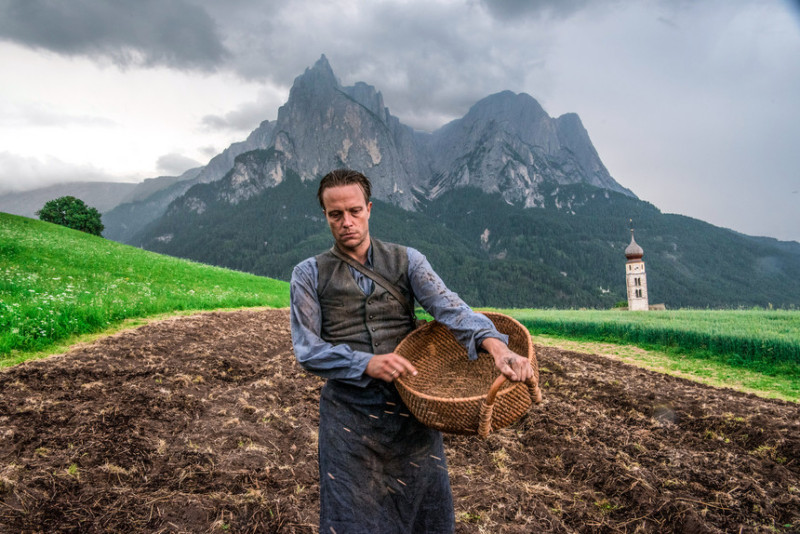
[324, 125]
[506, 143]
[512, 207]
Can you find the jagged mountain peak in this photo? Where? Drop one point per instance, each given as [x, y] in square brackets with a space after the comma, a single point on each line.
[324, 125]
[321, 71]
[505, 144]
[369, 97]
[507, 106]
[502, 114]
[315, 83]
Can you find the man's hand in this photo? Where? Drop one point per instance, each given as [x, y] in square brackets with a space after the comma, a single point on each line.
[516, 368]
[389, 366]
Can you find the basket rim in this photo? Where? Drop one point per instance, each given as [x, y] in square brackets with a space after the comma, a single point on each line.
[453, 400]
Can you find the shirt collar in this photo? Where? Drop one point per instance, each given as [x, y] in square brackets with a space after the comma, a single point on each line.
[369, 257]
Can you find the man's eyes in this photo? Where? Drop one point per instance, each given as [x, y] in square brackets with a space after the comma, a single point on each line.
[337, 214]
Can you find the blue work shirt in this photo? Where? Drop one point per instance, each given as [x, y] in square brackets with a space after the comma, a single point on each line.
[340, 362]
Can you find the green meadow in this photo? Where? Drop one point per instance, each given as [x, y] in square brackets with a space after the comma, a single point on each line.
[758, 350]
[57, 283]
[755, 335]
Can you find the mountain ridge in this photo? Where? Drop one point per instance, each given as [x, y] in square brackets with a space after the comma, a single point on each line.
[324, 125]
[496, 254]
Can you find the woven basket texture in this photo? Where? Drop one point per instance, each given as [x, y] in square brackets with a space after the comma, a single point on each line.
[449, 389]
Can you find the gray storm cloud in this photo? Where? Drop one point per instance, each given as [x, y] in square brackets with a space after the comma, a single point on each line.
[31, 173]
[45, 116]
[176, 34]
[513, 9]
[244, 118]
[175, 164]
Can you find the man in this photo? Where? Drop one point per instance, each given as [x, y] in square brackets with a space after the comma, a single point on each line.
[381, 470]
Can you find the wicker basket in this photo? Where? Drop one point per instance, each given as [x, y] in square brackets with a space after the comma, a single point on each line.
[453, 394]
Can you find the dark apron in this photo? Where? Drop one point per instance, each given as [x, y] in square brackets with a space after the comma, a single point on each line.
[381, 470]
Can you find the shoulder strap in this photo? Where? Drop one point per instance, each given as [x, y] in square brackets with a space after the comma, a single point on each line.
[386, 284]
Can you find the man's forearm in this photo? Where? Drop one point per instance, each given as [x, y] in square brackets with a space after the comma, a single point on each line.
[469, 328]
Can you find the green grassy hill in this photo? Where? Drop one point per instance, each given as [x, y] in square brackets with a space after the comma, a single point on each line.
[56, 283]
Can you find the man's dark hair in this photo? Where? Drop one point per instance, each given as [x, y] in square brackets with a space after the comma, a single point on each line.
[341, 177]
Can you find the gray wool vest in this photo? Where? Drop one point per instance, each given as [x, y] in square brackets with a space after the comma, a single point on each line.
[374, 323]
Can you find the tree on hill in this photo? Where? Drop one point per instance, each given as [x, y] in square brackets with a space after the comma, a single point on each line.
[73, 213]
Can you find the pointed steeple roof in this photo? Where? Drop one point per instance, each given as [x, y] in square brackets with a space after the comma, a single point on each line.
[634, 251]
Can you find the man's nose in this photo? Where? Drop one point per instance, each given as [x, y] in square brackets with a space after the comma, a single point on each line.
[347, 220]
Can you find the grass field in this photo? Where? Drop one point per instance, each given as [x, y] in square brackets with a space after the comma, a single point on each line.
[755, 335]
[56, 283]
[759, 349]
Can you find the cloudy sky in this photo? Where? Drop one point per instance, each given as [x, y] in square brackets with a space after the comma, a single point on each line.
[692, 104]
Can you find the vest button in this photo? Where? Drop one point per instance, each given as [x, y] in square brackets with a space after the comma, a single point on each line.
[373, 328]
[371, 316]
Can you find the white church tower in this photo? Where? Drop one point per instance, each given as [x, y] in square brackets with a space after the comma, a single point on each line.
[635, 277]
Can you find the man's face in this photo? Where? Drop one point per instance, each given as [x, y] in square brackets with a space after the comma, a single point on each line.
[347, 212]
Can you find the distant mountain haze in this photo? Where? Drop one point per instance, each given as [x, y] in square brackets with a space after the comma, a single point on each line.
[128, 218]
[100, 195]
[104, 196]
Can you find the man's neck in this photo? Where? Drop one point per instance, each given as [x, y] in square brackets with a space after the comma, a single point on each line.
[360, 254]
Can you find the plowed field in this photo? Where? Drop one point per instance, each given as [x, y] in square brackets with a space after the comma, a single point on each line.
[207, 424]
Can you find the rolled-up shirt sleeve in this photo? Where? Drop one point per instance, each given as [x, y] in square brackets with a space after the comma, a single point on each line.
[468, 327]
[313, 353]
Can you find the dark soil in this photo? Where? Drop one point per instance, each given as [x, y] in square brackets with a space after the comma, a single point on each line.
[207, 424]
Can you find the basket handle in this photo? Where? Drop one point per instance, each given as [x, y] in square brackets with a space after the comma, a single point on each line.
[533, 389]
[487, 406]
